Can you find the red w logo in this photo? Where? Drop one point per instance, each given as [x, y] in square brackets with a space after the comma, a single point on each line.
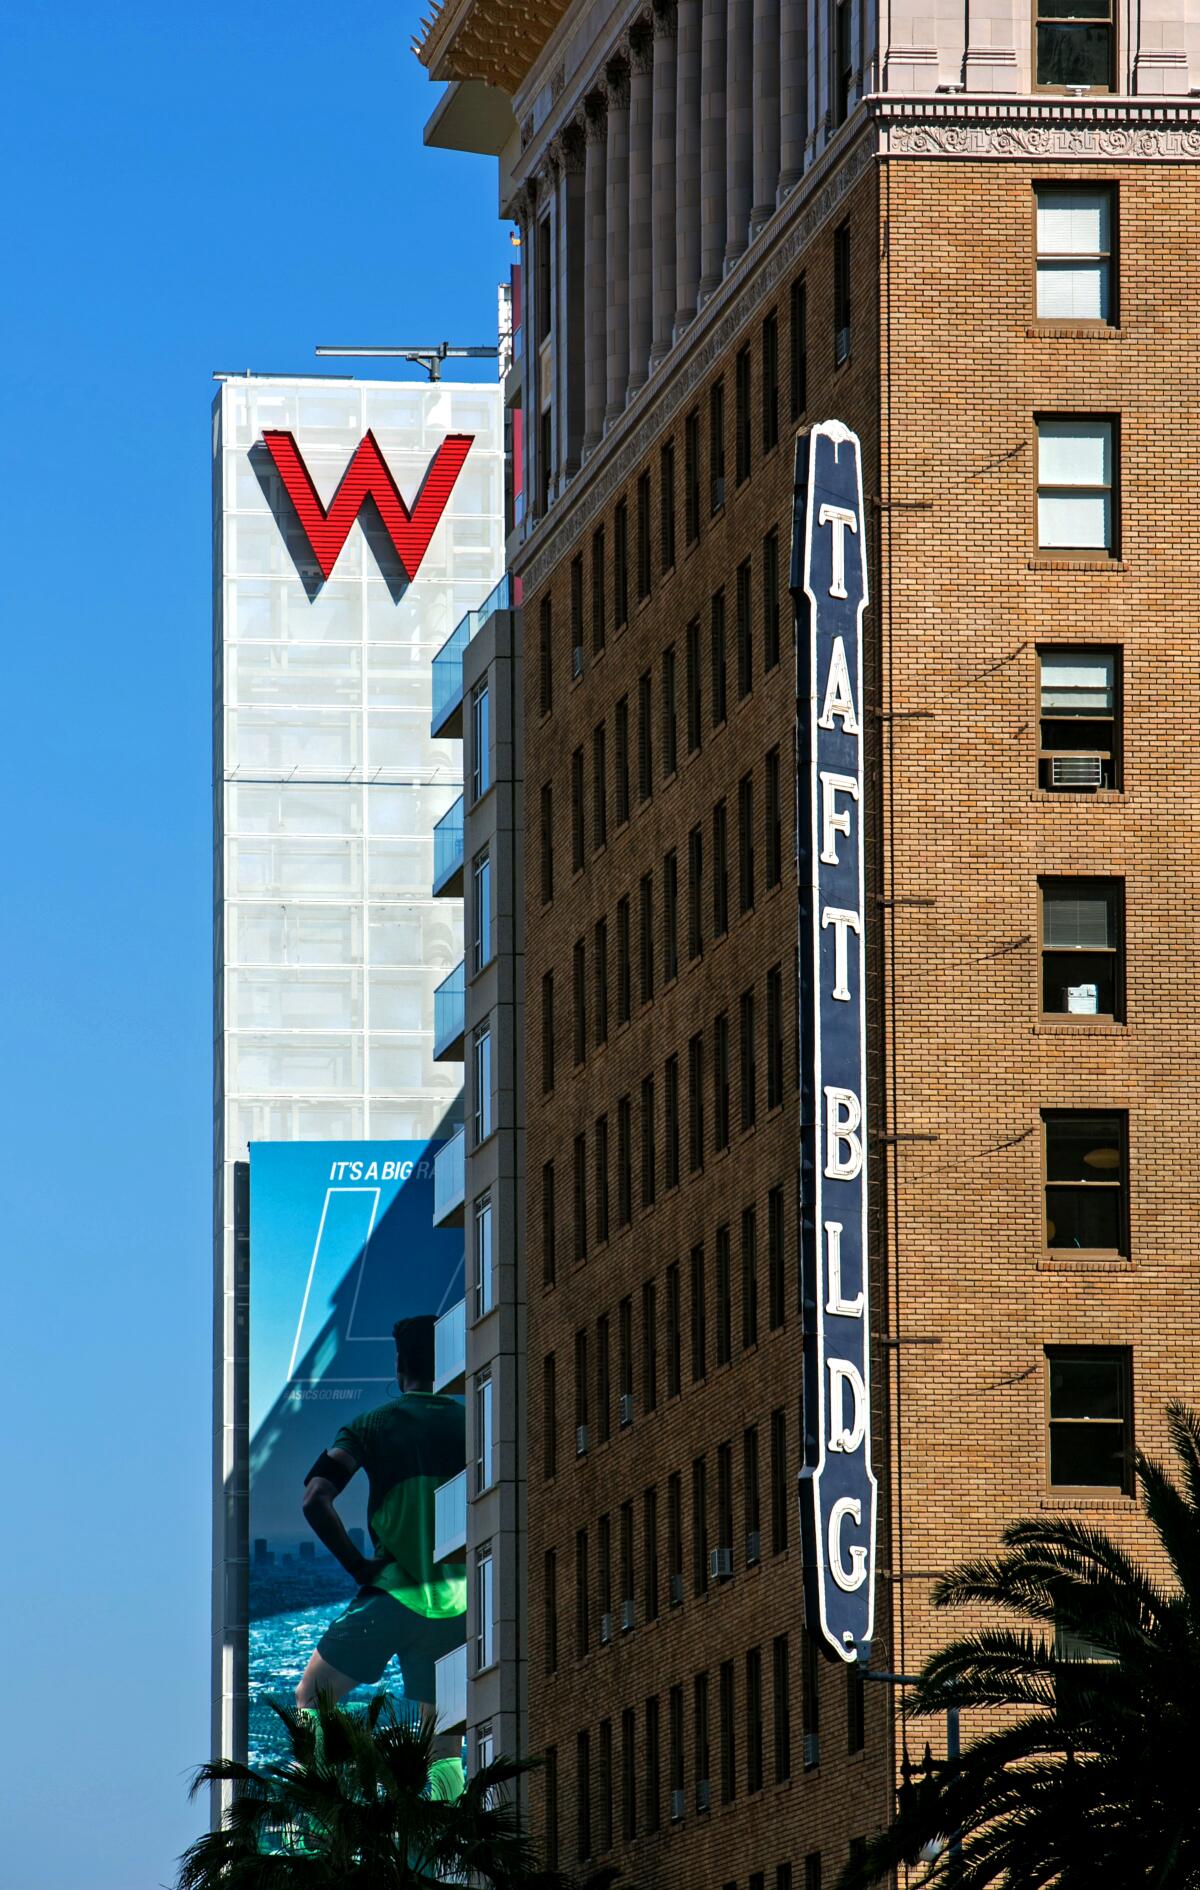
[367, 477]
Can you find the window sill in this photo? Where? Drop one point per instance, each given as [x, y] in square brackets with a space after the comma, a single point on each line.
[1079, 1499]
[1048, 561]
[1090, 797]
[1085, 1263]
[1088, 1026]
[1072, 331]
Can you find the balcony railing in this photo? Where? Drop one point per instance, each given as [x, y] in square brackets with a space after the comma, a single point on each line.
[450, 1349]
[448, 663]
[450, 1519]
[450, 1181]
[450, 1686]
[450, 1015]
[448, 853]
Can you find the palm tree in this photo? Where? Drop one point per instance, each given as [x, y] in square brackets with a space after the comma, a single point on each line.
[1092, 1779]
[356, 1807]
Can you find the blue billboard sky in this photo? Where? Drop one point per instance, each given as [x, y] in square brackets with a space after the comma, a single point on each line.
[214, 188]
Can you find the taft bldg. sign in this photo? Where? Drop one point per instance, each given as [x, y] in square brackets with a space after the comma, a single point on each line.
[838, 1489]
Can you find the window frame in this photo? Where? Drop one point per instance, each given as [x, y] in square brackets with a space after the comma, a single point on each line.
[1116, 752]
[1070, 90]
[1112, 885]
[1096, 1492]
[1077, 554]
[1119, 1255]
[1111, 257]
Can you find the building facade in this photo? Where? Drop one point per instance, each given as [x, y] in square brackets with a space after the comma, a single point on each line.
[966, 237]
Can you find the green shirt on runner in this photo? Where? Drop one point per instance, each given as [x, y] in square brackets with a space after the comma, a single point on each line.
[407, 1448]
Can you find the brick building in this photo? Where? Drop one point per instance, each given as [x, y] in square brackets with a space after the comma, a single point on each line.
[973, 243]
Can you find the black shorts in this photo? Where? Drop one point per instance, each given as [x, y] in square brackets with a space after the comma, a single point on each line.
[375, 1628]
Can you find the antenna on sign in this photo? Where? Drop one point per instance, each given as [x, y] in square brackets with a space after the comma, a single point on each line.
[429, 358]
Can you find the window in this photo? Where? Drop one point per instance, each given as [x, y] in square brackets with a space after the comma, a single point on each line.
[600, 981]
[741, 389]
[550, 1611]
[549, 1268]
[1074, 254]
[695, 893]
[754, 1730]
[549, 1419]
[599, 606]
[770, 381]
[485, 1471]
[643, 535]
[645, 738]
[577, 616]
[720, 869]
[582, 1595]
[600, 1176]
[671, 1133]
[1080, 725]
[716, 446]
[621, 564]
[772, 824]
[693, 685]
[856, 1730]
[750, 1494]
[547, 1032]
[770, 599]
[624, 1161]
[725, 1499]
[699, 1346]
[696, 1102]
[578, 841]
[485, 1609]
[652, 1779]
[779, 1482]
[781, 1677]
[485, 1294]
[749, 1278]
[481, 741]
[748, 1035]
[700, 1757]
[1075, 44]
[1091, 1417]
[1082, 938]
[547, 843]
[625, 1351]
[649, 1346]
[482, 1073]
[674, 1355]
[547, 658]
[666, 505]
[699, 1526]
[691, 477]
[1085, 1182]
[728, 1743]
[624, 976]
[746, 843]
[798, 346]
[481, 904]
[841, 294]
[603, 1380]
[580, 1197]
[670, 737]
[843, 61]
[675, 1749]
[599, 788]
[776, 1260]
[650, 1554]
[717, 646]
[646, 938]
[810, 1702]
[724, 1281]
[721, 1081]
[670, 916]
[675, 1538]
[812, 1871]
[550, 1774]
[775, 1037]
[581, 1392]
[1075, 484]
[583, 1796]
[621, 758]
[648, 1140]
[745, 633]
[626, 1574]
[628, 1775]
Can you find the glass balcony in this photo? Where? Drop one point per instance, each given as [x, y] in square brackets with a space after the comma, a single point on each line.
[449, 1016]
[448, 853]
[450, 1349]
[451, 1689]
[448, 663]
[450, 1181]
[450, 1519]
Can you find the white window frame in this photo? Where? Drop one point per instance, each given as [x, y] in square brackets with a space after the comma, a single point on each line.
[485, 1294]
[482, 1074]
[482, 948]
[485, 1605]
[485, 1432]
[1056, 265]
[1091, 432]
[481, 741]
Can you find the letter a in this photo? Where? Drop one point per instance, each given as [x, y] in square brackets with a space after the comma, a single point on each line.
[839, 697]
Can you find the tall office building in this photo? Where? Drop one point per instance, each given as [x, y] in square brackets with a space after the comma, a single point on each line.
[969, 238]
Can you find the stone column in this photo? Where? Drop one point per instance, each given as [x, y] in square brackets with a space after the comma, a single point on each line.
[712, 147]
[617, 254]
[687, 163]
[766, 112]
[641, 263]
[793, 92]
[990, 64]
[525, 209]
[595, 269]
[662, 186]
[1161, 62]
[570, 301]
[739, 126]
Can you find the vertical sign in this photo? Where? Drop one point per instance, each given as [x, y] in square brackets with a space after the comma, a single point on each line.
[838, 1489]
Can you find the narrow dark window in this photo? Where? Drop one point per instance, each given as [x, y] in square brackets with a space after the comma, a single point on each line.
[547, 1032]
[798, 346]
[696, 1102]
[749, 1277]
[670, 916]
[746, 843]
[650, 1554]
[699, 1323]
[624, 974]
[599, 787]
[549, 1267]
[649, 1346]
[776, 1261]
[812, 1871]
[691, 477]
[547, 843]
[624, 1162]
[578, 840]
[671, 1131]
[549, 1419]
[742, 416]
[652, 1777]
[604, 1781]
[547, 657]
[716, 446]
[670, 732]
[666, 505]
[750, 1495]
[674, 1342]
[603, 1380]
[550, 1774]
[648, 1142]
[694, 687]
[599, 606]
[728, 1738]
[717, 646]
[621, 564]
[721, 1081]
[583, 1796]
[550, 1610]
[675, 1539]
[779, 1482]
[579, 1001]
[646, 937]
[773, 821]
[748, 1035]
[725, 1506]
[724, 1296]
[782, 1715]
[643, 535]
[577, 616]
[841, 290]
[600, 1174]
[582, 1392]
[843, 61]
[775, 1037]
[628, 1774]
[699, 1526]
[675, 1749]
[645, 737]
[700, 1759]
[625, 1357]
[810, 1702]
[600, 980]
[770, 381]
[621, 758]
[770, 599]
[745, 633]
[720, 870]
[856, 1730]
[754, 1727]
[695, 893]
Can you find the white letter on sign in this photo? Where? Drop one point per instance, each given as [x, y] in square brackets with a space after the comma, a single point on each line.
[843, 521]
[843, 1114]
[834, 1303]
[839, 698]
[843, 1436]
[847, 1579]
[843, 923]
[833, 822]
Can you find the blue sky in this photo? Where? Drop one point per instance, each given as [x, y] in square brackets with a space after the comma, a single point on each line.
[186, 189]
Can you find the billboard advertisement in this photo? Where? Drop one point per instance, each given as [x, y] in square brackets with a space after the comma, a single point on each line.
[342, 1248]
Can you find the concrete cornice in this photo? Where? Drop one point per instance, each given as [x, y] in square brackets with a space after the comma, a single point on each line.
[1043, 125]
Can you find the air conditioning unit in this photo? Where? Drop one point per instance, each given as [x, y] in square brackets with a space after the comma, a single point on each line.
[841, 346]
[703, 1795]
[720, 1564]
[675, 1589]
[677, 1806]
[753, 1548]
[626, 1616]
[581, 1440]
[812, 1751]
[1077, 771]
[605, 1629]
[625, 1407]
